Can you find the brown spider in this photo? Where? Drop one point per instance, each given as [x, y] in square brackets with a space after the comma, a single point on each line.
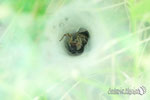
[75, 43]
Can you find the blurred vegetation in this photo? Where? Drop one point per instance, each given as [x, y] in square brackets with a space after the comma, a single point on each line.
[36, 7]
[139, 11]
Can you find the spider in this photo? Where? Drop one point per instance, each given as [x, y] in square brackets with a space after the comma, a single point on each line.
[76, 42]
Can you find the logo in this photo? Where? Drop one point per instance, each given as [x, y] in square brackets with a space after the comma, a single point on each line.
[127, 91]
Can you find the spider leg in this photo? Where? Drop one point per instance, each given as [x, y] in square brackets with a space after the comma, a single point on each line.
[78, 42]
[65, 35]
[62, 37]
